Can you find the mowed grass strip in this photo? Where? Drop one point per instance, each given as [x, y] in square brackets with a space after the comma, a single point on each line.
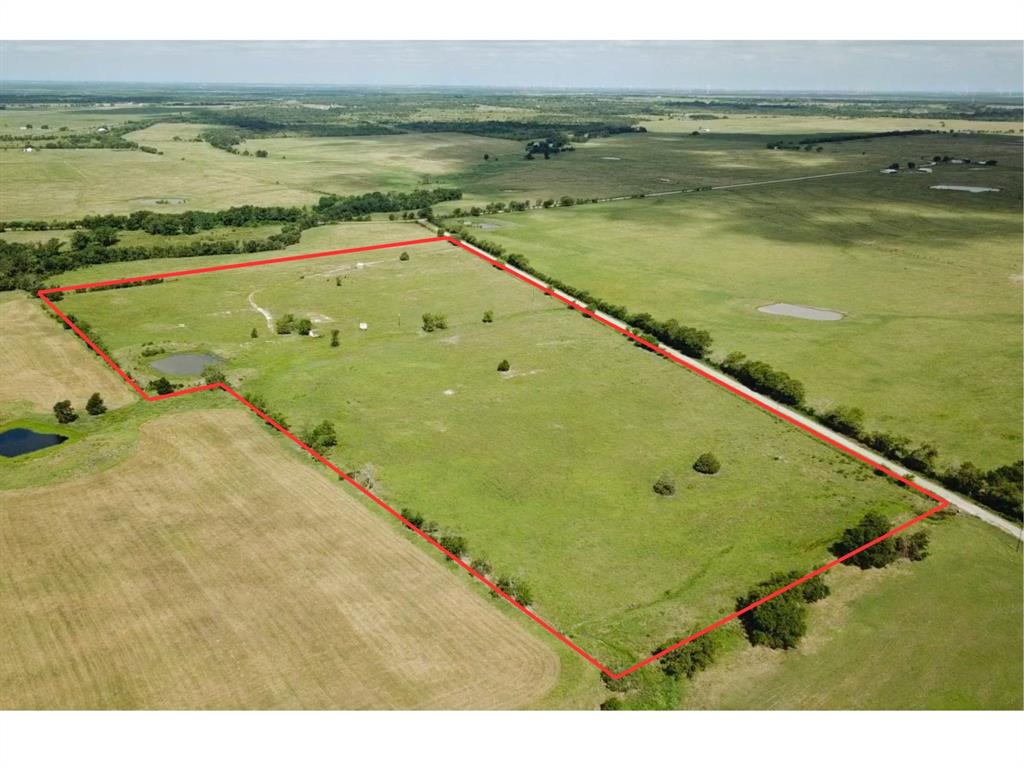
[41, 365]
[547, 469]
[213, 570]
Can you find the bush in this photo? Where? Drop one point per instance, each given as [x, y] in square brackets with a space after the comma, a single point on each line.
[707, 464]
[433, 321]
[481, 565]
[254, 334]
[404, 256]
[64, 412]
[515, 588]
[849, 421]
[455, 544]
[321, 437]
[162, 386]
[214, 375]
[304, 326]
[613, 703]
[503, 366]
[879, 555]
[665, 485]
[694, 657]
[489, 316]
[334, 338]
[779, 622]
[285, 324]
[914, 546]
[413, 517]
[95, 406]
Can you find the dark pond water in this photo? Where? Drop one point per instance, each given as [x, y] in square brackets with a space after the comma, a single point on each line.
[19, 441]
[185, 364]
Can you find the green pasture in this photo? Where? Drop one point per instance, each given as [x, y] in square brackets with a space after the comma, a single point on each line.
[546, 470]
[928, 280]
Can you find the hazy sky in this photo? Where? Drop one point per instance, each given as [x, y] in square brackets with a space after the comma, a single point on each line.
[836, 66]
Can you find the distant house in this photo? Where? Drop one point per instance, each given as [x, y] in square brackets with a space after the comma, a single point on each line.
[30, 149]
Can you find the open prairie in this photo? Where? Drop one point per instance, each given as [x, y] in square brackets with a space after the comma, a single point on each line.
[238, 577]
[540, 482]
[928, 282]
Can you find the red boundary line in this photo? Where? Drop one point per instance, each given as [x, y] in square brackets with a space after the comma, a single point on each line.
[426, 537]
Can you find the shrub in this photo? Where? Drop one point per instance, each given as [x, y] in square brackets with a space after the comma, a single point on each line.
[694, 657]
[779, 622]
[481, 565]
[413, 517]
[455, 544]
[433, 321]
[404, 256]
[489, 316]
[95, 406]
[849, 421]
[665, 485]
[214, 375]
[254, 334]
[304, 326]
[515, 588]
[285, 324]
[321, 437]
[503, 366]
[707, 464]
[871, 526]
[612, 703]
[64, 412]
[334, 338]
[162, 386]
[914, 546]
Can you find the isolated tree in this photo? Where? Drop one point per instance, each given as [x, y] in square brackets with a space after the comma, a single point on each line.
[64, 412]
[503, 366]
[334, 338]
[261, 153]
[665, 485]
[254, 334]
[707, 464]
[95, 405]
[879, 555]
[162, 386]
[489, 316]
[304, 326]
[433, 321]
[404, 256]
[776, 623]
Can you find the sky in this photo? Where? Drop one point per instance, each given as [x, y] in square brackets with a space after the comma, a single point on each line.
[878, 66]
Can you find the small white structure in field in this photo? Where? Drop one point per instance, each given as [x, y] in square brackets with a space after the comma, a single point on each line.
[30, 149]
[359, 265]
[924, 170]
[101, 129]
[889, 170]
[363, 326]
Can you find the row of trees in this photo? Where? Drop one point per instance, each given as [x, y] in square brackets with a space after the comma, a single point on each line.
[761, 377]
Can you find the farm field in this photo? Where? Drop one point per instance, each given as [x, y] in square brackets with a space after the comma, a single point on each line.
[234, 596]
[551, 493]
[41, 367]
[928, 281]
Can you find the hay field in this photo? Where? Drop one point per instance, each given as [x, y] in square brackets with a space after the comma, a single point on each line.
[41, 364]
[213, 570]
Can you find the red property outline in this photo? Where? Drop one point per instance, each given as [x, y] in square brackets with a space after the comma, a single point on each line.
[942, 503]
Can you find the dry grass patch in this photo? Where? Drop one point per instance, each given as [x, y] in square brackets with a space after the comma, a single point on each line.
[42, 364]
[212, 570]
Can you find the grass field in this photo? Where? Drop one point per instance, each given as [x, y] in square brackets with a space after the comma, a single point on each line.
[552, 492]
[233, 595]
[929, 282]
[941, 634]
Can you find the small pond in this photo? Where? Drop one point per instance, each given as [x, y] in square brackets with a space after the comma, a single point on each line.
[185, 364]
[799, 310]
[20, 440]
